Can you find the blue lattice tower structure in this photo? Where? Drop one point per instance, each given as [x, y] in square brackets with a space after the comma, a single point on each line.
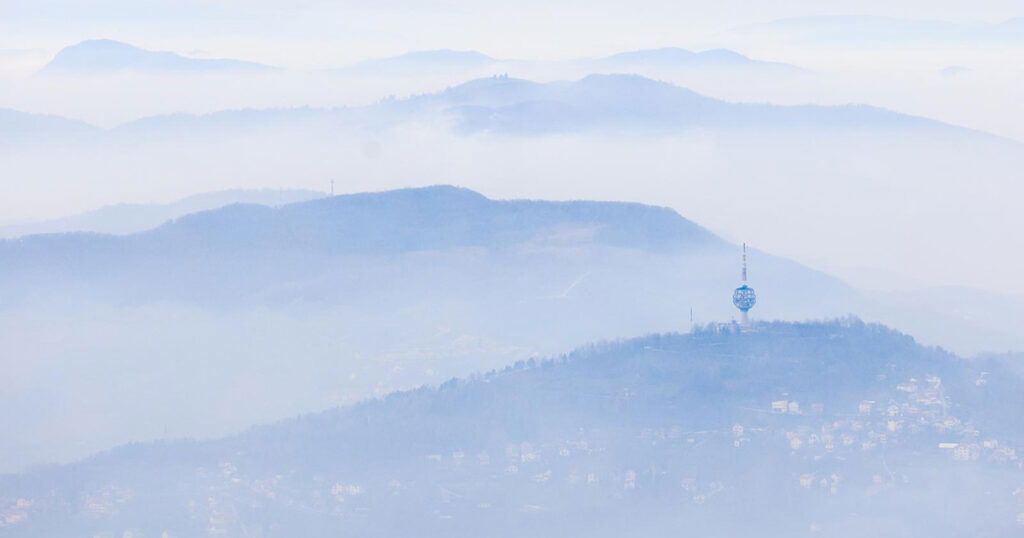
[744, 297]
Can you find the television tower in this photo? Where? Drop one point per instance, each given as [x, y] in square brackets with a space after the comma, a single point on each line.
[744, 297]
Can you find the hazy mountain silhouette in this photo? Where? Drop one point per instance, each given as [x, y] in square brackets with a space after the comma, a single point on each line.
[131, 218]
[629, 103]
[440, 62]
[374, 224]
[504, 105]
[788, 429]
[20, 127]
[636, 103]
[105, 56]
[679, 58]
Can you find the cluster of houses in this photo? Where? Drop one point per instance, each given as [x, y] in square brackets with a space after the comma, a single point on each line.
[15, 512]
[918, 407]
[917, 413]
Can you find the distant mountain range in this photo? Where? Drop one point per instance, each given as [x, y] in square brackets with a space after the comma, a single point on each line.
[104, 56]
[17, 127]
[504, 105]
[672, 58]
[635, 103]
[792, 429]
[667, 60]
[131, 218]
[375, 224]
[101, 56]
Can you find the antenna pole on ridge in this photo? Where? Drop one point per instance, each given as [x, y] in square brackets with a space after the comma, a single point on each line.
[744, 262]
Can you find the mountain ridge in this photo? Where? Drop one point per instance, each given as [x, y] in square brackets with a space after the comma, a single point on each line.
[598, 103]
[608, 429]
[120, 219]
[106, 55]
[18, 126]
[504, 105]
[680, 58]
[452, 215]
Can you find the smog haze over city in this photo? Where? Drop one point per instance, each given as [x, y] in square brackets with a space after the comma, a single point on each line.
[311, 268]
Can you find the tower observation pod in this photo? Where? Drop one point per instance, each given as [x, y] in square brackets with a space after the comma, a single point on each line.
[744, 297]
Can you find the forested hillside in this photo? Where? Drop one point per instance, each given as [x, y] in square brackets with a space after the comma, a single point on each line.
[789, 429]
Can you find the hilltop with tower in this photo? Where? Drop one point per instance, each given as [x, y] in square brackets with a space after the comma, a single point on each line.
[840, 428]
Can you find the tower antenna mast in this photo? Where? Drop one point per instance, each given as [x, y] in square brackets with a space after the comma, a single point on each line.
[744, 263]
[743, 297]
